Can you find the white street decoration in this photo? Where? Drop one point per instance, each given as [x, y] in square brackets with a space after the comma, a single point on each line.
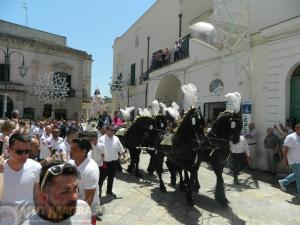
[51, 88]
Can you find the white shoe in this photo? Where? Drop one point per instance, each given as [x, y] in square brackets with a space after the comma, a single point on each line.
[283, 188]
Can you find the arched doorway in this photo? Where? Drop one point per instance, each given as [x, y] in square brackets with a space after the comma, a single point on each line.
[169, 90]
[295, 94]
[10, 106]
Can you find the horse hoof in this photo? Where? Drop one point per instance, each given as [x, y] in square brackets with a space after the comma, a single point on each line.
[138, 175]
[182, 187]
[190, 202]
[150, 172]
[129, 168]
[163, 189]
[173, 183]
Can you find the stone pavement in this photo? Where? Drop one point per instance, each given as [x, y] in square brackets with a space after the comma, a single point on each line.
[257, 201]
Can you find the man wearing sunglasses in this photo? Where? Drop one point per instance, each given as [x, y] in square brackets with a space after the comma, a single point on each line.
[21, 175]
[57, 198]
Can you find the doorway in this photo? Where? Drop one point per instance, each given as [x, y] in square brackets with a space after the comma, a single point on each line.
[295, 95]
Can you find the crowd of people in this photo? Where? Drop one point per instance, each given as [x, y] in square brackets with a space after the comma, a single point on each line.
[54, 170]
[281, 144]
[166, 56]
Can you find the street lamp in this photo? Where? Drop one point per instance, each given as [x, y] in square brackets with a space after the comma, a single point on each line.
[22, 73]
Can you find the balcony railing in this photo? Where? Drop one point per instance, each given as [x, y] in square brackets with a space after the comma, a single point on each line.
[143, 77]
[167, 56]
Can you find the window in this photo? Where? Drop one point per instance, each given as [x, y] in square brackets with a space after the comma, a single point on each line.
[4, 69]
[28, 113]
[71, 92]
[142, 66]
[68, 78]
[60, 114]
[136, 42]
[47, 110]
[132, 74]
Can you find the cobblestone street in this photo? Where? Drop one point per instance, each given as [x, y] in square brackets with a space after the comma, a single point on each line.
[258, 201]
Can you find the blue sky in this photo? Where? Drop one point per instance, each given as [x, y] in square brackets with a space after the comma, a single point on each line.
[89, 25]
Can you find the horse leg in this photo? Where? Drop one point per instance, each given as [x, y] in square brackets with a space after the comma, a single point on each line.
[137, 162]
[159, 168]
[219, 192]
[189, 193]
[151, 166]
[196, 184]
[172, 169]
[182, 181]
[131, 164]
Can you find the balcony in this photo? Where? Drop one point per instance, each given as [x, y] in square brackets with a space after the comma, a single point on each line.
[131, 81]
[165, 57]
[143, 77]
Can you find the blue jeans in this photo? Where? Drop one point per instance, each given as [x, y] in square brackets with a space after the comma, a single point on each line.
[295, 176]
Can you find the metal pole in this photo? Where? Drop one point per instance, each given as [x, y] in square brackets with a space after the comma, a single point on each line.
[6, 75]
[180, 18]
[7, 55]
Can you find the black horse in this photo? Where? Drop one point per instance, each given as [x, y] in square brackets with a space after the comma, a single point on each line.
[184, 149]
[136, 136]
[215, 150]
[151, 141]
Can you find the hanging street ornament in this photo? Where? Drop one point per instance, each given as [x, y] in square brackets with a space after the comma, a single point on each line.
[51, 88]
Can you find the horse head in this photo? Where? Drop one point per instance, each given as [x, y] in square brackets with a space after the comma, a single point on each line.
[192, 125]
[143, 126]
[160, 122]
[228, 127]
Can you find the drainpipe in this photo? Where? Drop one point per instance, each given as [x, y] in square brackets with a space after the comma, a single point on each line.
[180, 19]
[147, 72]
[148, 52]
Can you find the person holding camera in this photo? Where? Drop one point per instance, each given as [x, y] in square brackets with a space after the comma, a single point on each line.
[272, 144]
[54, 141]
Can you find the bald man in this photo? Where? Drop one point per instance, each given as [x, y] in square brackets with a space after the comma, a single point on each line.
[34, 148]
[44, 140]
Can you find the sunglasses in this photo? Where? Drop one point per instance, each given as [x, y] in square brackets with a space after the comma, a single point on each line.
[21, 152]
[54, 170]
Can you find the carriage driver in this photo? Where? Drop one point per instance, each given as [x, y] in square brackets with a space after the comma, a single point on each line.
[112, 149]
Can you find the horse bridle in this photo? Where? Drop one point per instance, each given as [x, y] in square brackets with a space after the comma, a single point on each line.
[197, 114]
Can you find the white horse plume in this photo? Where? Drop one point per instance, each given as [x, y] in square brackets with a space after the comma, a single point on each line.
[234, 103]
[155, 107]
[126, 112]
[144, 112]
[191, 94]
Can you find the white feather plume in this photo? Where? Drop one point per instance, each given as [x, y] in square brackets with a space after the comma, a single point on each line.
[140, 111]
[174, 113]
[155, 107]
[190, 92]
[126, 112]
[144, 112]
[234, 103]
[175, 106]
[163, 108]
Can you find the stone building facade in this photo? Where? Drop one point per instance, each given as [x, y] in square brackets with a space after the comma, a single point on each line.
[43, 53]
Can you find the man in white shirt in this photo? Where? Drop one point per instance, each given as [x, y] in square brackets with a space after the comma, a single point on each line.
[238, 151]
[20, 175]
[291, 157]
[55, 140]
[97, 152]
[89, 174]
[112, 149]
[64, 148]
[57, 197]
[44, 142]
